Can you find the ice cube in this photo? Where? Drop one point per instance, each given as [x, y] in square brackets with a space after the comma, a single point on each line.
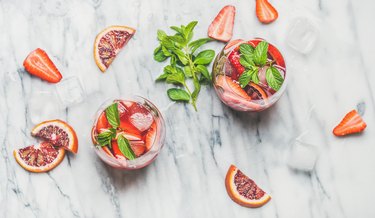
[44, 106]
[302, 35]
[140, 117]
[70, 91]
[302, 156]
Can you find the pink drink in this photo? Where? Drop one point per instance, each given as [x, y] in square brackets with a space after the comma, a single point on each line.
[252, 96]
[141, 124]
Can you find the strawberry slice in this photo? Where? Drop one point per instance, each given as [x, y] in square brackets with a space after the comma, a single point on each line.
[40, 65]
[138, 147]
[150, 137]
[102, 123]
[230, 86]
[352, 123]
[116, 149]
[222, 27]
[265, 12]
[234, 59]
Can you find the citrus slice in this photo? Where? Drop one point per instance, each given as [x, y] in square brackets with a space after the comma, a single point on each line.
[58, 133]
[108, 44]
[41, 158]
[230, 86]
[243, 190]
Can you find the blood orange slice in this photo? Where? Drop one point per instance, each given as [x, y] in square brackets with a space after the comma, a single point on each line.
[230, 86]
[243, 190]
[41, 158]
[108, 44]
[57, 132]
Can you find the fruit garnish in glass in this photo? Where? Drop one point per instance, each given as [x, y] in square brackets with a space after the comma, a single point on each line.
[128, 134]
[249, 75]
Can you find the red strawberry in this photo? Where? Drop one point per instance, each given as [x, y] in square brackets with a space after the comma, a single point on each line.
[222, 27]
[229, 86]
[150, 137]
[352, 123]
[39, 64]
[234, 59]
[116, 149]
[265, 12]
[138, 148]
[102, 123]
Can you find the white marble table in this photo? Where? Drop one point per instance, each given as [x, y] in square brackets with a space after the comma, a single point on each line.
[187, 179]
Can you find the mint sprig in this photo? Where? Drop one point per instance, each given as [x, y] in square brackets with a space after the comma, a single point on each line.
[184, 62]
[253, 59]
[105, 138]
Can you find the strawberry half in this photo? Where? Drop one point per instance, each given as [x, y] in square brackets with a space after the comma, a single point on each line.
[40, 65]
[222, 27]
[234, 59]
[265, 12]
[352, 123]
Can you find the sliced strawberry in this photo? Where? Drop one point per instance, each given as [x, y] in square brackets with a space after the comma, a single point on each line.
[150, 137]
[138, 147]
[352, 123]
[116, 149]
[127, 127]
[102, 123]
[222, 27]
[230, 86]
[265, 12]
[130, 136]
[234, 59]
[40, 65]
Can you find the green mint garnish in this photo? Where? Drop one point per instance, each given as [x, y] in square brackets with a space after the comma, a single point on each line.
[253, 59]
[184, 62]
[106, 137]
[124, 146]
[274, 78]
[112, 115]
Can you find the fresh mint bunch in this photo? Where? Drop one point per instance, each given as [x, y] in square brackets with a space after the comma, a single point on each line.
[184, 62]
[252, 59]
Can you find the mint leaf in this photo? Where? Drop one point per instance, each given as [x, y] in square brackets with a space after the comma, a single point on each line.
[178, 94]
[177, 29]
[246, 62]
[106, 137]
[161, 35]
[245, 78]
[205, 57]
[165, 51]
[260, 53]
[159, 55]
[181, 56]
[255, 76]
[188, 31]
[246, 49]
[198, 43]
[124, 146]
[112, 115]
[176, 78]
[203, 70]
[274, 78]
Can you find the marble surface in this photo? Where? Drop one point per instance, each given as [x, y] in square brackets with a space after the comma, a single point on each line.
[187, 179]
